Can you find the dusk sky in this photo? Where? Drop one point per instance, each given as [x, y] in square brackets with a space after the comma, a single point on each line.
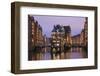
[47, 23]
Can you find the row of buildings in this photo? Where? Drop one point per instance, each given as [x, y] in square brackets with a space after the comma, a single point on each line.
[34, 32]
[82, 38]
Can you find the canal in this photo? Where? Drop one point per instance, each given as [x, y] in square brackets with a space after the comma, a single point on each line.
[72, 53]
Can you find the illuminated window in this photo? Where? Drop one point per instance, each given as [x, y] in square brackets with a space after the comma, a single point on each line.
[57, 44]
[33, 23]
[53, 37]
[32, 40]
[54, 41]
[58, 41]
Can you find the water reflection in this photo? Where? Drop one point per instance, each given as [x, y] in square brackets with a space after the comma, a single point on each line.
[47, 54]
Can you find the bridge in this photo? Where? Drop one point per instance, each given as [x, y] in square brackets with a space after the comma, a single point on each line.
[69, 45]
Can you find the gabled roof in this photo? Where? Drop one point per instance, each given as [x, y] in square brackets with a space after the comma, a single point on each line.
[67, 29]
[61, 28]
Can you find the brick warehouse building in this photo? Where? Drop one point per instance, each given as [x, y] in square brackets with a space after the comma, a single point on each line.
[35, 36]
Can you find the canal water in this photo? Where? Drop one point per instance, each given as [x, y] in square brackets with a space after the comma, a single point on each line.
[72, 53]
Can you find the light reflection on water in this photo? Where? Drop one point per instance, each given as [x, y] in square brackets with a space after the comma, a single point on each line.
[73, 53]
